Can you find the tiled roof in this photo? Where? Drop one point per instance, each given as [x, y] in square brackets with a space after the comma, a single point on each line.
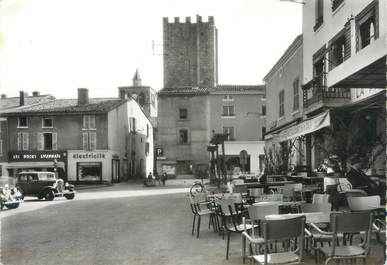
[58, 106]
[8, 103]
[208, 90]
[239, 88]
[184, 91]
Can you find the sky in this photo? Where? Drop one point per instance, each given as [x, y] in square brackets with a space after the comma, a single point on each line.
[57, 46]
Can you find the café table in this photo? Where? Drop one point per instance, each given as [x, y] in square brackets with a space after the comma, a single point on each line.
[314, 217]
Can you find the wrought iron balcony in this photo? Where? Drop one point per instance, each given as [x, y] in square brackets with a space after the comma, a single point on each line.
[316, 94]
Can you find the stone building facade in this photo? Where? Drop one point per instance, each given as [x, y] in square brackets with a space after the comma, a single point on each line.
[190, 53]
[144, 95]
[85, 139]
[191, 105]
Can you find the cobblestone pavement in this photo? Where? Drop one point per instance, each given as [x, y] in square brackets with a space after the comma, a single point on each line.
[120, 224]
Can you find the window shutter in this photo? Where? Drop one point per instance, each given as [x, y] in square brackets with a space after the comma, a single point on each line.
[85, 117]
[92, 122]
[19, 141]
[54, 141]
[85, 141]
[93, 140]
[25, 141]
[40, 141]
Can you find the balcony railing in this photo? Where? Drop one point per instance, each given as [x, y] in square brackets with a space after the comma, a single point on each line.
[318, 92]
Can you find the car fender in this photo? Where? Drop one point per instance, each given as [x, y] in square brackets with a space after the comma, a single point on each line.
[46, 188]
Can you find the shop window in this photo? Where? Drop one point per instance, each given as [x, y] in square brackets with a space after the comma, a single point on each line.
[230, 133]
[89, 171]
[47, 122]
[22, 141]
[88, 122]
[89, 140]
[183, 136]
[183, 114]
[281, 99]
[319, 14]
[336, 4]
[228, 111]
[23, 122]
[296, 97]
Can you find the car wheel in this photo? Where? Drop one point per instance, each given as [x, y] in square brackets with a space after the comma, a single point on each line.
[69, 196]
[49, 195]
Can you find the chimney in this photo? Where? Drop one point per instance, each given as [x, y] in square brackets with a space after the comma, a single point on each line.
[35, 93]
[21, 98]
[83, 96]
[3, 96]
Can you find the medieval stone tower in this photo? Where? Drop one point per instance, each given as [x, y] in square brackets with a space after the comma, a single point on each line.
[190, 53]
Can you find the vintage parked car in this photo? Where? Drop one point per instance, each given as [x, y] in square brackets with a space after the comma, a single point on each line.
[44, 185]
[10, 196]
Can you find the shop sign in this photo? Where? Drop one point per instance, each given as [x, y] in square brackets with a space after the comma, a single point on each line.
[305, 127]
[159, 151]
[18, 156]
[91, 155]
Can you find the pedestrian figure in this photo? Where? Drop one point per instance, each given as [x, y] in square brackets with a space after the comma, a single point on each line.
[157, 177]
[164, 177]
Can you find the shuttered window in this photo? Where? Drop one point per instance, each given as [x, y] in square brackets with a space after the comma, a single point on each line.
[40, 141]
[25, 141]
[281, 97]
[85, 141]
[19, 141]
[89, 141]
[92, 141]
[88, 121]
[54, 141]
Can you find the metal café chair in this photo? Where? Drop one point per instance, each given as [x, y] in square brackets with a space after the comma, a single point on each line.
[359, 223]
[201, 207]
[312, 236]
[320, 198]
[290, 230]
[231, 219]
[257, 213]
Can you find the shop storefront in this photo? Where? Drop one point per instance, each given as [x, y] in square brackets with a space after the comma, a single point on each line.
[93, 166]
[37, 161]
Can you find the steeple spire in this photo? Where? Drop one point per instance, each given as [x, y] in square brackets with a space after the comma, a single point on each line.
[136, 78]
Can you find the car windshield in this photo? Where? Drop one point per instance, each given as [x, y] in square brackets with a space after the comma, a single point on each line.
[47, 176]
